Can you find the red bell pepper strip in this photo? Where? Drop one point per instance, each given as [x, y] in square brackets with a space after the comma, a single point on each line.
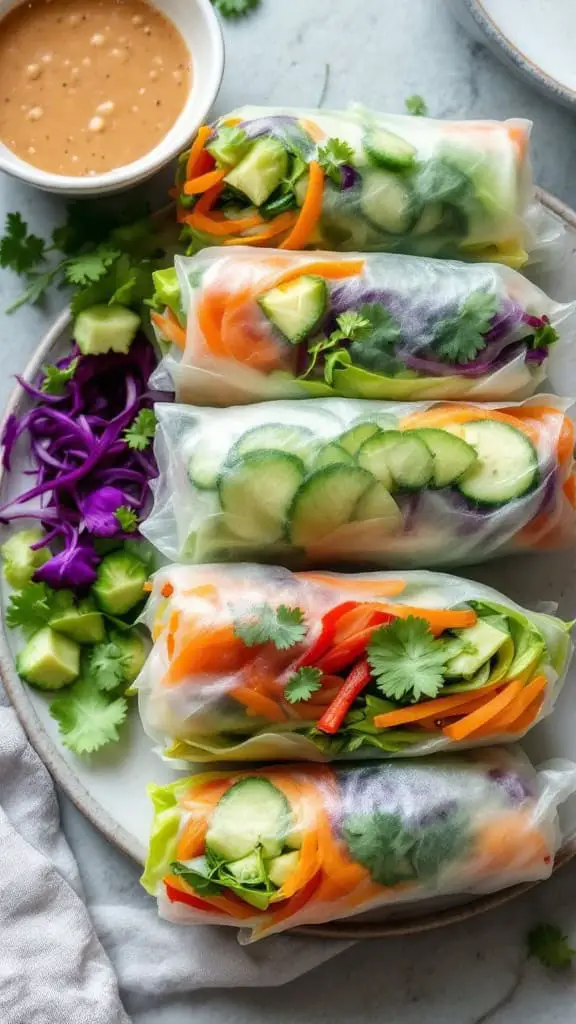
[326, 635]
[176, 896]
[353, 647]
[336, 712]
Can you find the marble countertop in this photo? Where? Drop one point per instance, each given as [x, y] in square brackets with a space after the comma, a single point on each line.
[377, 52]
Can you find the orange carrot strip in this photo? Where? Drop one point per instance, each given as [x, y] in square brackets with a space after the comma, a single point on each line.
[518, 706]
[215, 650]
[195, 186]
[468, 725]
[332, 270]
[310, 211]
[200, 141]
[209, 314]
[169, 327]
[147, 587]
[452, 415]
[167, 590]
[258, 703]
[283, 222]
[438, 708]
[384, 588]
[221, 228]
[314, 130]
[438, 619]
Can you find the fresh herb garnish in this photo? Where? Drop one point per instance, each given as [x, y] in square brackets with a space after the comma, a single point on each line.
[550, 946]
[284, 627]
[544, 335]
[416, 105]
[90, 266]
[141, 431]
[460, 338]
[126, 518]
[332, 155]
[20, 251]
[230, 144]
[235, 8]
[56, 378]
[350, 325]
[30, 608]
[198, 876]
[373, 347]
[109, 665]
[408, 660]
[87, 718]
[302, 684]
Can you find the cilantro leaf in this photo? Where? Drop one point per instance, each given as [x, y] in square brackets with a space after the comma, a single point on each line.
[30, 608]
[20, 251]
[416, 105]
[550, 946]
[126, 518]
[332, 155]
[284, 627]
[407, 659]
[90, 266]
[141, 431]
[37, 287]
[87, 719]
[352, 324]
[230, 145]
[302, 684]
[201, 883]
[460, 338]
[235, 8]
[373, 346]
[109, 666]
[545, 335]
[56, 378]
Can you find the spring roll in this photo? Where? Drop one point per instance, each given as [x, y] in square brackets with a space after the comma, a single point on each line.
[279, 847]
[253, 662]
[335, 481]
[361, 181]
[249, 324]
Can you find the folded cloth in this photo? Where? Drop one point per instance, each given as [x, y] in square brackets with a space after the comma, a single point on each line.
[53, 964]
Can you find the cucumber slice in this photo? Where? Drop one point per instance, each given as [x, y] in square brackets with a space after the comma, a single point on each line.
[430, 219]
[506, 467]
[378, 503]
[297, 307]
[256, 493]
[325, 501]
[252, 813]
[452, 456]
[387, 202]
[353, 439]
[386, 149]
[373, 457]
[406, 458]
[205, 466]
[280, 436]
[261, 170]
[331, 455]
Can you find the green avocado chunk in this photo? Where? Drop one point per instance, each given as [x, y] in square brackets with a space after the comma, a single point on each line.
[49, 661]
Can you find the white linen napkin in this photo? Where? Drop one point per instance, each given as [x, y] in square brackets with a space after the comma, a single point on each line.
[53, 948]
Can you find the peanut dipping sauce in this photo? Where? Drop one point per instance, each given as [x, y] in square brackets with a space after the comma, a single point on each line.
[89, 85]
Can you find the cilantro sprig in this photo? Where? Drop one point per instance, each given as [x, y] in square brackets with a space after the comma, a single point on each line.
[235, 8]
[460, 338]
[416, 105]
[126, 518]
[302, 684]
[332, 155]
[56, 378]
[109, 665]
[141, 431]
[19, 250]
[407, 660]
[284, 627]
[550, 946]
[87, 718]
[30, 608]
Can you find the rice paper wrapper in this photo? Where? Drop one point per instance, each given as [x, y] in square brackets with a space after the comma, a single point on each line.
[206, 696]
[308, 483]
[414, 343]
[359, 839]
[450, 189]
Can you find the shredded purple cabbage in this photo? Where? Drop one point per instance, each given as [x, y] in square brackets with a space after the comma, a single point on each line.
[83, 468]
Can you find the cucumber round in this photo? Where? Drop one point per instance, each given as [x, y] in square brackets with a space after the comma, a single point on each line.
[282, 437]
[378, 503]
[506, 467]
[252, 814]
[386, 149]
[387, 202]
[325, 501]
[353, 439]
[453, 457]
[409, 462]
[331, 455]
[373, 457]
[256, 493]
[205, 465]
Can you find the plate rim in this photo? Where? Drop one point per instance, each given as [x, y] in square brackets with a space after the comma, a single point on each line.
[525, 64]
[64, 775]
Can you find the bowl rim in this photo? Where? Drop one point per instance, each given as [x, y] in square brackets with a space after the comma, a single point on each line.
[126, 176]
[525, 64]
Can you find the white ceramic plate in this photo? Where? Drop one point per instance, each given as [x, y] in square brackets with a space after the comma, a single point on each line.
[535, 37]
[109, 788]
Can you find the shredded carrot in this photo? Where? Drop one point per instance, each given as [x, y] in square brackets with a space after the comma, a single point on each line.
[332, 270]
[510, 839]
[203, 134]
[209, 313]
[382, 588]
[167, 590]
[221, 228]
[314, 130]
[482, 716]
[212, 651]
[438, 708]
[170, 646]
[196, 186]
[310, 211]
[438, 619]
[147, 587]
[452, 415]
[519, 136]
[258, 703]
[283, 222]
[520, 704]
[169, 327]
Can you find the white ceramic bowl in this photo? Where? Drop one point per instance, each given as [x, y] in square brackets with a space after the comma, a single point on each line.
[200, 29]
